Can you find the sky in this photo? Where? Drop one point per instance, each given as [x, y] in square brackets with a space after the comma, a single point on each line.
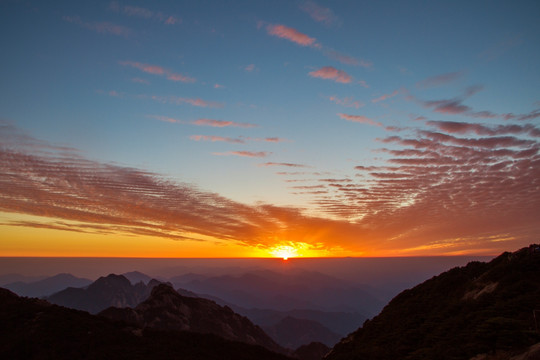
[269, 128]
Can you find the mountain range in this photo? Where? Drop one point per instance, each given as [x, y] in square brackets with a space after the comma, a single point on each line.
[35, 329]
[166, 309]
[47, 286]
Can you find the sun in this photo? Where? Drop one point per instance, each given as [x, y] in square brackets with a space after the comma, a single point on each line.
[284, 251]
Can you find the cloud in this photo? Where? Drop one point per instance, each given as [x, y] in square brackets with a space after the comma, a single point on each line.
[454, 127]
[290, 34]
[347, 101]
[439, 80]
[166, 119]
[283, 164]
[251, 154]
[346, 59]
[359, 119]
[385, 96]
[180, 100]
[221, 123]
[216, 138]
[319, 13]
[331, 73]
[218, 86]
[140, 12]
[250, 68]
[100, 27]
[158, 70]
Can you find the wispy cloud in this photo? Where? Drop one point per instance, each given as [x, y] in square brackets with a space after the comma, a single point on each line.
[158, 70]
[181, 100]
[166, 119]
[221, 123]
[217, 138]
[250, 68]
[347, 101]
[251, 154]
[100, 27]
[346, 59]
[359, 119]
[283, 164]
[385, 96]
[140, 12]
[439, 80]
[290, 34]
[319, 13]
[331, 73]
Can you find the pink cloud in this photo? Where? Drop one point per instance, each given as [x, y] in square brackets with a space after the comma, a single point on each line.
[136, 11]
[100, 27]
[346, 59]
[251, 154]
[283, 164]
[216, 138]
[180, 100]
[166, 119]
[319, 13]
[385, 96]
[439, 80]
[250, 68]
[359, 119]
[221, 123]
[331, 73]
[347, 101]
[158, 70]
[218, 86]
[290, 34]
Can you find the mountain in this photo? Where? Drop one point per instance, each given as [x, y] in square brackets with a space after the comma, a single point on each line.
[341, 323]
[312, 351]
[46, 286]
[136, 276]
[36, 329]
[292, 333]
[166, 309]
[481, 308]
[111, 290]
[284, 291]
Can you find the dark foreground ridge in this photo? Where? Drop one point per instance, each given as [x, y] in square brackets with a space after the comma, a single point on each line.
[481, 311]
[35, 329]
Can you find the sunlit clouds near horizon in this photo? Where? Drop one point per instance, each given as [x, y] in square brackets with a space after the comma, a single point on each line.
[290, 129]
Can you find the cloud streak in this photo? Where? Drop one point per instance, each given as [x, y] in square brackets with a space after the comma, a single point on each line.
[158, 70]
[331, 73]
[288, 33]
[221, 123]
[100, 27]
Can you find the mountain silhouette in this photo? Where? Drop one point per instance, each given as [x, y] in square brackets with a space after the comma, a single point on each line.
[111, 290]
[35, 329]
[482, 308]
[166, 309]
[46, 286]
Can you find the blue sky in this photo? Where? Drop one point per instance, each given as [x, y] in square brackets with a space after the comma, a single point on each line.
[267, 102]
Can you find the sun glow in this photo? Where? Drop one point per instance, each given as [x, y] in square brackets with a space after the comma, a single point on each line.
[284, 251]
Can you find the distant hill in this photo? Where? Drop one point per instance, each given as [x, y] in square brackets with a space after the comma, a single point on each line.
[165, 309]
[284, 291]
[292, 333]
[341, 323]
[111, 290]
[46, 286]
[482, 308]
[137, 276]
[35, 329]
